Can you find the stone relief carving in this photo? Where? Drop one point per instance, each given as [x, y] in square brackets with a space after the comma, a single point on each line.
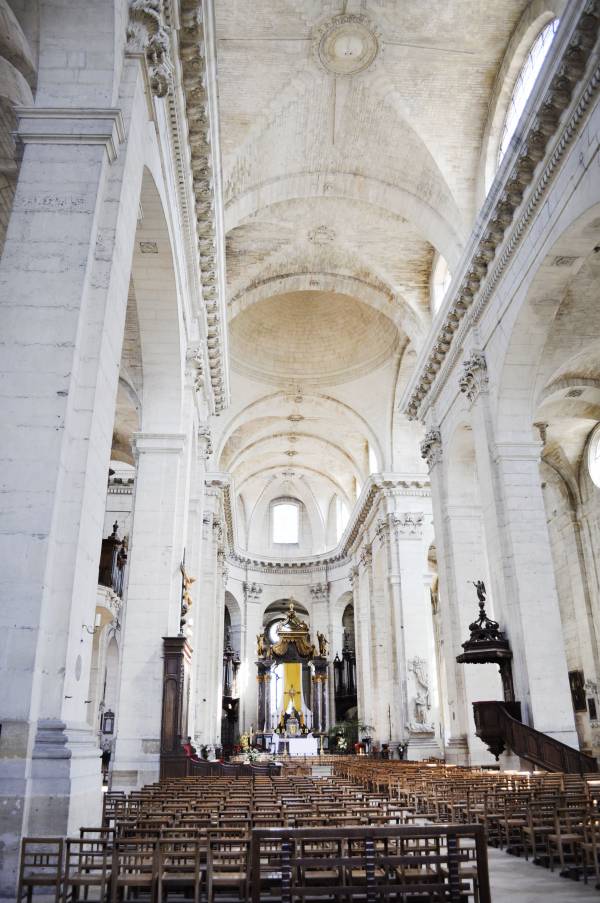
[405, 523]
[320, 592]
[431, 447]
[147, 33]
[420, 704]
[252, 591]
[474, 378]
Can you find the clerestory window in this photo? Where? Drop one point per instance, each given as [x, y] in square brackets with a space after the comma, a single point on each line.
[286, 522]
[525, 82]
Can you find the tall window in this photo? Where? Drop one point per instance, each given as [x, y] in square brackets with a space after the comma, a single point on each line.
[285, 522]
[525, 82]
[441, 277]
[594, 456]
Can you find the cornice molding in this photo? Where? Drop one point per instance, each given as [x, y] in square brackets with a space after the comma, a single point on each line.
[514, 180]
[197, 57]
[378, 488]
[72, 125]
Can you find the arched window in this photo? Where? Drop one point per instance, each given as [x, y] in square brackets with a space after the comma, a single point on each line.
[594, 456]
[441, 278]
[525, 82]
[285, 522]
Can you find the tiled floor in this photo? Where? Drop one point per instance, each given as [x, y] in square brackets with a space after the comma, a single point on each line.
[513, 880]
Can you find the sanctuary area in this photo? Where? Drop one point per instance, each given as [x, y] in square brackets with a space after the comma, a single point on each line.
[300, 450]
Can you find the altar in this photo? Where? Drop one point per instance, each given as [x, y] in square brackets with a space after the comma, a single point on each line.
[297, 746]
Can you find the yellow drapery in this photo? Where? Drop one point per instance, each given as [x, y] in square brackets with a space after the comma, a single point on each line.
[292, 679]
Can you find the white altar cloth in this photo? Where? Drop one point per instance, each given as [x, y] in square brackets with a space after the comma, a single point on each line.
[302, 746]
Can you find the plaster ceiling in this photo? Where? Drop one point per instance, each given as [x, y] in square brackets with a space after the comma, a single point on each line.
[313, 337]
[351, 137]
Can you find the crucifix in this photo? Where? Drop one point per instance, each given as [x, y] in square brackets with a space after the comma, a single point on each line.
[292, 693]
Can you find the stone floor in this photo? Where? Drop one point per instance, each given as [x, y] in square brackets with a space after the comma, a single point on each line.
[513, 880]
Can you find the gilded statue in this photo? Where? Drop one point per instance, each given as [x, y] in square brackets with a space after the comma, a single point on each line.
[260, 645]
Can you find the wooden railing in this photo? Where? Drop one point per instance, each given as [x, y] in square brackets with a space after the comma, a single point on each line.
[499, 729]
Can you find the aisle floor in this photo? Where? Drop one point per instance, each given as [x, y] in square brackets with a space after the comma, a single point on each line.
[513, 880]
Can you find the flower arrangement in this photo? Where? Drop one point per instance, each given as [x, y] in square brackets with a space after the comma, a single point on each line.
[342, 743]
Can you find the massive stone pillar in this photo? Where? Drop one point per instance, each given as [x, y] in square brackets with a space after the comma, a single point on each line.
[153, 604]
[63, 295]
[521, 566]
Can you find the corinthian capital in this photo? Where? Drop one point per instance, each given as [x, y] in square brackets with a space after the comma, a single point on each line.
[148, 34]
[431, 447]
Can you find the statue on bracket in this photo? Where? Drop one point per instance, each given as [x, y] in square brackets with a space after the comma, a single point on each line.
[323, 644]
[260, 645]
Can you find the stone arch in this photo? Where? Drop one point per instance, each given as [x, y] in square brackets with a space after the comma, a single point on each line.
[160, 321]
[525, 367]
[437, 229]
[234, 611]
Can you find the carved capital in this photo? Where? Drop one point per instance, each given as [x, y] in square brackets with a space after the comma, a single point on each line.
[148, 34]
[431, 447]
[354, 577]
[474, 377]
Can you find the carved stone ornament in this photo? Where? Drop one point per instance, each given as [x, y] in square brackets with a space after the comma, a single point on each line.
[366, 556]
[195, 366]
[320, 592]
[147, 33]
[431, 447]
[347, 44]
[252, 591]
[406, 523]
[205, 447]
[474, 377]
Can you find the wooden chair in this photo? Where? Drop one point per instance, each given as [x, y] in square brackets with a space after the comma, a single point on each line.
[87, 865]
[589, 849]
[179, 868]
[41, 866]
[565, 840]
[133, 868]
[227, 865]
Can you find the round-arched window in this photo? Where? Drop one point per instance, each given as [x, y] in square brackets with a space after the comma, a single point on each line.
[525, 82]
[594, 456]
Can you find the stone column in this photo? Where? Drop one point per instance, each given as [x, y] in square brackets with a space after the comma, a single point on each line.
[365, 659]
[360, 692]
[251, 626]
[194, 549]
[457, 718]
[520, 561]
[396, 697]
[153, 604]
[322, 621]
[204, 644]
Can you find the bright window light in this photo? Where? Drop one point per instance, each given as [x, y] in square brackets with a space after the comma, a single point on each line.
[372, 460]
[525, 82]
[285, 523]
[594, 456]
